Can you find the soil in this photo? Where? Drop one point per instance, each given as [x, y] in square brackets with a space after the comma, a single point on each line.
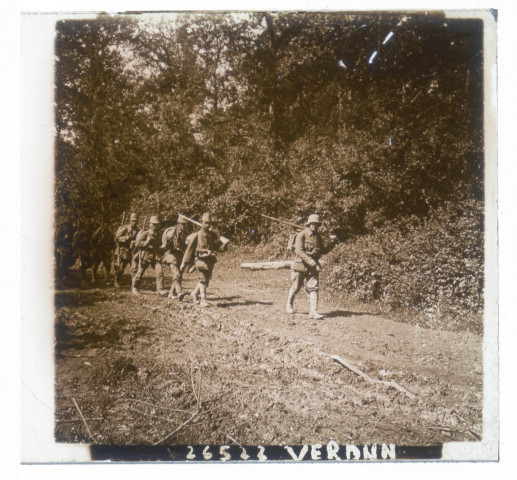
[149, 370]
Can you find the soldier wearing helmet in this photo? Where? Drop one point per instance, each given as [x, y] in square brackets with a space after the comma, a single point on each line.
[174, 245]
[145, 254]
[125, 239]
[81, 246]
[309, 248]
[101, 245]
[201, 250]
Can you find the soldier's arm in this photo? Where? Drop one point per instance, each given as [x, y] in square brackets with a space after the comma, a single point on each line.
[188, 257]
[299, 249]
[141, 238]
[121, 236]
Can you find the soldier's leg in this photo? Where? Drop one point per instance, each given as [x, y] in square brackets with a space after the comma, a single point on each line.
[158, 270]
[82, 269]
[313, 283]
[175, 291]
[119, 269]
[200, 290]
[106, 262]
[138, 268]
[298, 279]
[203, 285]
[95, 266]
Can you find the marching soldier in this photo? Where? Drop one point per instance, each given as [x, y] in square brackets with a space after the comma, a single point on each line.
[64, 250]
[125, 238]
[173, 243]
[81, 247]
[102, 244]
[201, 251]
[309, 248]
[147, 252]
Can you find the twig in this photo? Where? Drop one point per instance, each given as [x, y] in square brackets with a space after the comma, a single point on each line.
[199, 390]
[155, 406]
[192, 383]
[84, 420]
[234, 441]
[186, 422]
[78, 420]
[354, 369]
[150, 414]
[218, 406]
[474, 434]
[445, 429]
[222, 395]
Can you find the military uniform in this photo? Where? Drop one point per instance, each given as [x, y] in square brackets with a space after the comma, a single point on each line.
[201, 251]
[174, 244]
[125, 239]
[102, 244]
[147, 253]
[309, 248]
[81, 247]
[64, 250]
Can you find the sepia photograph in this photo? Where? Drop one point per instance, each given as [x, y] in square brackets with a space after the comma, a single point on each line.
[274, 236]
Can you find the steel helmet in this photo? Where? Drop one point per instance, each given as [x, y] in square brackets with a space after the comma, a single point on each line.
[314, 218]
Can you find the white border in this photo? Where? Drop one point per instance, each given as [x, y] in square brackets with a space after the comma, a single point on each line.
[506, 168]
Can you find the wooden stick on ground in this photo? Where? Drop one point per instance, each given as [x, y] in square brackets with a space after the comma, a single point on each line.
[186, 422]
[267, 265]
[354, 369]
[84, 420]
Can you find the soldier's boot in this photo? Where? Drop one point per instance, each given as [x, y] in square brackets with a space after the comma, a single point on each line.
[116, 278]
[289, 308]
[202, 293]
[134, 286]
[313, 303]
[194, 295]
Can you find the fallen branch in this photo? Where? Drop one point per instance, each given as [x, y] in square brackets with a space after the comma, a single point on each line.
[267, 265]
[354, 369]
[84, 420]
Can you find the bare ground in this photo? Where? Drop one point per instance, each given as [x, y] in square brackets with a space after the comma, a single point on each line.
[148, 370]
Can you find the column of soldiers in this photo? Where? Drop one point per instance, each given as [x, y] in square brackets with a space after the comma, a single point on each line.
[141, 249]
[176, 249]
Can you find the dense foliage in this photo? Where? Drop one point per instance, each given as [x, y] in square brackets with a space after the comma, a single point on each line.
[373, 121]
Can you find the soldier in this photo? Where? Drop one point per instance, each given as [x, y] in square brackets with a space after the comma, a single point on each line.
[147, 252]
[125, 238]
[201, 249]
[81, 246]
[173, 242]
[309, 247]
[101, 244]
[64, 250]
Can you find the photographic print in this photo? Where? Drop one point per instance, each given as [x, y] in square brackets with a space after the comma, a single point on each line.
[274, 236]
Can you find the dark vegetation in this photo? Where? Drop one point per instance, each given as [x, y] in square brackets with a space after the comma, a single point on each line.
[289, 114]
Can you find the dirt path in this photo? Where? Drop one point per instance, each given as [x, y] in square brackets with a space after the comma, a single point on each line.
[135, 364]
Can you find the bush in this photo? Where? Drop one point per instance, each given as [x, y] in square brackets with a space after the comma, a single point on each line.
[433, 268]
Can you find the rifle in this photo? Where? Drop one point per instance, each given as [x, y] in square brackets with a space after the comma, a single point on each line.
[117, 248]
[222, 239]
[285, 222]
[290, 245]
